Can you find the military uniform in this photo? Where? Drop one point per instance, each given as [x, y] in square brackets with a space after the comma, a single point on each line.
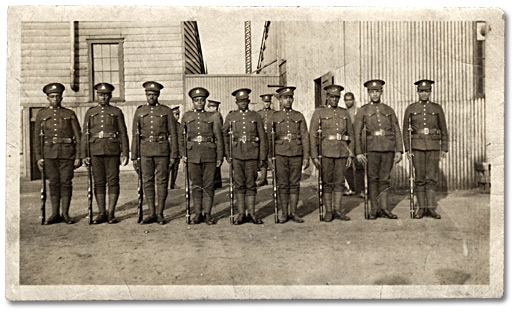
[158, 150]
[175, 168]
[218, 173]
[383, 137]
[60, 152]
[266, 114]
[248, 147]
[337, 138]
[105, 132]
[429, 138]
[291, 149]
[204, 150]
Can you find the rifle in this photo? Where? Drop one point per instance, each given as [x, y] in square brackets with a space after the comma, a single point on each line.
[412, 173]
[43, 192]
[365, 168]
[139, 175]
[231, 193]
[320, 172]
[186, 175]
[275, 183]
[89, 171]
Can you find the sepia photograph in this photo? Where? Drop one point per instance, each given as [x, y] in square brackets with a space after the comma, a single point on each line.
[231, 153]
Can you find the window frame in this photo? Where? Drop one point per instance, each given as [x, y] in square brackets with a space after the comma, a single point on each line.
[90, 44]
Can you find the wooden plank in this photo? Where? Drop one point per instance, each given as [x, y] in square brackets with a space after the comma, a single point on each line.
[45, 32]
[129, 24]
[49, 66]
[46, 39]
[55, 73]
[44, 52]
[45, 46]
[127, 51]
[158, 78]
[153, 63]
[44, 25]
[152, 44]
[28, 60]
[153, 71]
[156, 57]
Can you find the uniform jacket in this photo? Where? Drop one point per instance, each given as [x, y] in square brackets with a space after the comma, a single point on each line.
[158, 132]
[108, 135]
[249, 138]
[426, 117]
[288, 124]
[335, 122]
[62, 134]
[204, 137]
[377, 117]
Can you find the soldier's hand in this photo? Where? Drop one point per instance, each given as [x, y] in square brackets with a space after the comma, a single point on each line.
[40, 164]
[86, 161]
[443, 154]
[361, 158]
[124, 160]
[184, 159]
[316, 162]
[261, 163]
[409, 156]
[172, 162]
[228, 160]
[305, 164]
[349, 162]
[398, 157]
[77, 163]
[270, 163]
[136, 166]
[219, 163]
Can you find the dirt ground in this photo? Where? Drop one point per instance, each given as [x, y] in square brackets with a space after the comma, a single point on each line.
[453, 250]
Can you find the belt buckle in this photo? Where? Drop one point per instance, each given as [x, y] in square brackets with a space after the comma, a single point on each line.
[289, 137]
[243, 139]
[198, 139]
[426, 131]
[55, 140]
[338, 136]
[150, 139]
[101, 134]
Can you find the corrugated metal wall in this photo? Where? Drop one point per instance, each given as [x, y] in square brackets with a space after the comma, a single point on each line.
[403, 52]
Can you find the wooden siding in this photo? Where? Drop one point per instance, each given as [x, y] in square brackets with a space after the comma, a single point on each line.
[192, 49]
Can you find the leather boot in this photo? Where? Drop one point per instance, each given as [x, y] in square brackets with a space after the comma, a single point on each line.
[65, 205]
[336, 206]
[197, 208]
[102, 213]
[421, 204]
[383, 204]
[294, 198]
[327, 201]
[112, 201]
[374, 204]
[173, 173]
[152, 217]
[241, 207]
[207, 205]
[283, 203]
[160, 210]
[250, 202]
[55, 208]
[430, 204]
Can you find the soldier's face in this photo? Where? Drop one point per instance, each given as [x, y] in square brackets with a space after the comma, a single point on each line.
[267, 104]
[104, 98]
[286, 101]
[243, 104]
[375, 95]
[424, 95]
[152, 97]
[332, 100]
[54, 99]
[349, 101]
[199, 103]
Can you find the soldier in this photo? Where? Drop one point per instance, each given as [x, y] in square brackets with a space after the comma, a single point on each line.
[355, 173]
[60, 152]
[337, 136]
[176, 114]
[158, 149]
[265, 113]
[213, 107]
[429, 144]
[291, 150]
[384, 147]
[108, 141]
[205, 151]
[249, 148]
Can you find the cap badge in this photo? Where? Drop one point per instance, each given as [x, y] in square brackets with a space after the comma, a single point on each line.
[152, 85]
[374, 83]
[53, 86]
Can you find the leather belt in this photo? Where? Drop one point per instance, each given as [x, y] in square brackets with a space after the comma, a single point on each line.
[427, 131]
[58, 140]
[153, 139]
[201, 139]
[289, 137]
[104, 135]
[245, 139]
[380, 132]
[337, 137]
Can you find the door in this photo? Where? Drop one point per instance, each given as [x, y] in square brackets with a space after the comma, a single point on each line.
[319, 92]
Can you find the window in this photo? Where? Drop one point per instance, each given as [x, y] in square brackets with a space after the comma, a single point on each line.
[106, 65]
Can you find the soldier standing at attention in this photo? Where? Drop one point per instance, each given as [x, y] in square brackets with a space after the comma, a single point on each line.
[175, 169]
[249, 149]
[291, 150]
[158, 149]
[108, 148]
[265, 113]
[205, 153]
[60, 152]
[213, 107]
[337, 136]
[429, 144]
[384, 147]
